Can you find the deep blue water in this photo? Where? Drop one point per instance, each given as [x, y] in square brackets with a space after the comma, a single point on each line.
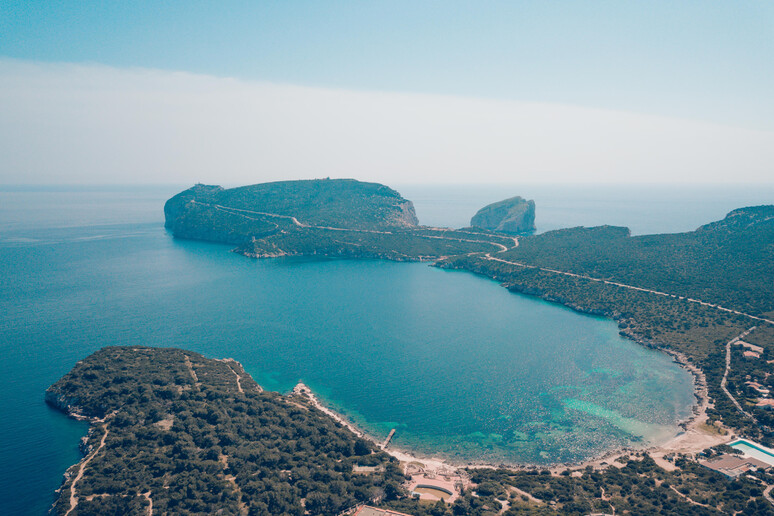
[459, 365]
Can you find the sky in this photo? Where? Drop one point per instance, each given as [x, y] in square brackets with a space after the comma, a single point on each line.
[396, 92]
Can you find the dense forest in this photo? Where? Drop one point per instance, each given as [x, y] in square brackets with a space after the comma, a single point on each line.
[728, 263]
[193, 435]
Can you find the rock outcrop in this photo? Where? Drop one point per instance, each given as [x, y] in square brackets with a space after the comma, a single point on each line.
[515, 215]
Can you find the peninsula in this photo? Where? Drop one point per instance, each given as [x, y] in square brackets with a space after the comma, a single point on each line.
[324, 217]
[173, 432]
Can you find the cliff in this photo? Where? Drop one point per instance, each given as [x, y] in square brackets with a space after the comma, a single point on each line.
[515, 215]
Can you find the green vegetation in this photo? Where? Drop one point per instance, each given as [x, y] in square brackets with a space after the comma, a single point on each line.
[727, 264]
[339, 217]
[638, 486]
[177, 428]
[515, 215]
[342, 203]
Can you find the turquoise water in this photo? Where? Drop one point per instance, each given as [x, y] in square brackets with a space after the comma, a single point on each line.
[458, 365]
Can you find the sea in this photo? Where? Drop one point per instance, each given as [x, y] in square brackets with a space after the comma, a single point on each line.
[460, 367]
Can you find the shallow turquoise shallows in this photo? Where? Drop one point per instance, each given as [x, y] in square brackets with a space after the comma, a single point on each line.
[458, 365]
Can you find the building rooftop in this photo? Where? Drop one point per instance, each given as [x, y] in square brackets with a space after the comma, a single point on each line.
[733, 465]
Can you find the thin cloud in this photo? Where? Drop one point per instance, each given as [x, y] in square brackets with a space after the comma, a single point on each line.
[66, 123]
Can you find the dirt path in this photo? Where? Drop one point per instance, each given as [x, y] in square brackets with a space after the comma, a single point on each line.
[295, 221]
[231, 479]
[238, 211]
[147, 496]
[238, 378]
[496, 244]
[767, 494]
[689, 499]
[531, 498]
[724, 381]
[82, 467]
[189, 365]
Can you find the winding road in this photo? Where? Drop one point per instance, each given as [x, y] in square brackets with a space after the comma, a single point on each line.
[488, 256]
[296, 222]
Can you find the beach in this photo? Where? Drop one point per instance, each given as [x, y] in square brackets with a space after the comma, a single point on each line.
[696, 435]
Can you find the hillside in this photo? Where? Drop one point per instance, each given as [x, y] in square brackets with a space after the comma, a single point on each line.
[730, 262]
[329, 217]
[343, 203]
[514, 216]
[192, 435]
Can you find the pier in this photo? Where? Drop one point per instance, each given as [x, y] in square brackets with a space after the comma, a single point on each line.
[389, 437]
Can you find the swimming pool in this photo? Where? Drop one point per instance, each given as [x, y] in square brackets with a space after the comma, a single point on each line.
[754, 450]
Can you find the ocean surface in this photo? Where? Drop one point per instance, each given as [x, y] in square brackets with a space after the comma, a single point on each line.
[459, 366]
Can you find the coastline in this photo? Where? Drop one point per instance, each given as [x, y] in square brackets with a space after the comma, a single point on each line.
[305, 392]
[694, 437]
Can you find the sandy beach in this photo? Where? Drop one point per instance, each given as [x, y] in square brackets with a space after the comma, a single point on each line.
[695, 436]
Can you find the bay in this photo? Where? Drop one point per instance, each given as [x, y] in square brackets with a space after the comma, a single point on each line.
[458, 365]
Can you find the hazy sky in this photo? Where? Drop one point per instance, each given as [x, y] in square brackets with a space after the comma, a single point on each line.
[236, 92]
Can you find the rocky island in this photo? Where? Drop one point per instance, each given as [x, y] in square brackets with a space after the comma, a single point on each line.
[514, 216]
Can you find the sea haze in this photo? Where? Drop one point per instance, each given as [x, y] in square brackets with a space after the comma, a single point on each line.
[459, 366]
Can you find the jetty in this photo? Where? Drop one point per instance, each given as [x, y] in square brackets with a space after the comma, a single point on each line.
[389, 437]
